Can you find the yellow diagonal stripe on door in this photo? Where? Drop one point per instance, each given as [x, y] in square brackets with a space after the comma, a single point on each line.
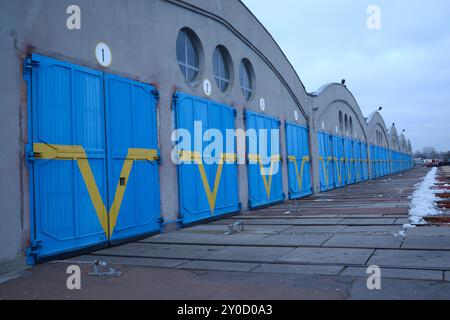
[267, 183]
[339, 168]
[94, 194]
[77, 153]
[325, 168]
[189, 156]
[299, 176]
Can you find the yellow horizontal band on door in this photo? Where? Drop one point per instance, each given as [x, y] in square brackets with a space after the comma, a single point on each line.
[58, 152]
[294, 158]
[185, 156]
[259, 158]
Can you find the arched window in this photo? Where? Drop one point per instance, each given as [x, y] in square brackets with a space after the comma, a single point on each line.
[346, 123]
[341, 121]
[187, 54]
[351, 125]
[221, 67]
[245, 78]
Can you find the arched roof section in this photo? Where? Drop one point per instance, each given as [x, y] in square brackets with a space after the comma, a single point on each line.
[403, 144]
[375, 121]
[236, 16]
[327, 97]
[394, 139]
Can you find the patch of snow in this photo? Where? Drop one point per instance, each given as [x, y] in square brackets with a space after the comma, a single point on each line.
[400, 234]
[408, 226]
[423, 200]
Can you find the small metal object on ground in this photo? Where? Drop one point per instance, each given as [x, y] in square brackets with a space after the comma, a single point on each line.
[233, 228]
[97, 272]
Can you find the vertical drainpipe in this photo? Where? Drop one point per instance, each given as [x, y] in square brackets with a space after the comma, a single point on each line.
[313, 151]
[369, 156]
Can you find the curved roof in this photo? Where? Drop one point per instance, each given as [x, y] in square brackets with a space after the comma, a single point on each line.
[235, 16]
[336, 92]
[374, 119]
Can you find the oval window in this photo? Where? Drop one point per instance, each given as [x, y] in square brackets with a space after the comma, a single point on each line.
[221, 68]
[245, 77]
[187, 54]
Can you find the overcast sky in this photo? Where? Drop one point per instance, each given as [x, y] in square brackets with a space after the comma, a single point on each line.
[404, 67]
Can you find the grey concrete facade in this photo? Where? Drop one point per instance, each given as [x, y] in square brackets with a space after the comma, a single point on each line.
[142, 36]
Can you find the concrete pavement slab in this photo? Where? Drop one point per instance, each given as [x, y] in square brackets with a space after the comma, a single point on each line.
[402, 221]
[298, 222]
[447, 276]
[183, 237]
[294, 240]
[388, 273]
[313, 230]
[328, 255]
[249, 254]
[128, 261]
[364, 241]
[367, 222]
[429, 231]
[148, 250]
[219, 266]
[426, 242]
[411, 259]
[398, 289]
[254, 229]
[299, 269]
[373, 230]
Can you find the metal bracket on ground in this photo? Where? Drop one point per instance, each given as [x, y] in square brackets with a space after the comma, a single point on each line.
[236, 227]
[97, 272]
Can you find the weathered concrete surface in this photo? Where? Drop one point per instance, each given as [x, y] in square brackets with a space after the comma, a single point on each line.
[329, 255]
[412, 259]
[388, 273]
[364, 241]
[278, 256]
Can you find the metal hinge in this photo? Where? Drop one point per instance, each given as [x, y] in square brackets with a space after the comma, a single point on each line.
[28, 65]
[175, 98]
[35, 245]
[155, 92]
[30, 155]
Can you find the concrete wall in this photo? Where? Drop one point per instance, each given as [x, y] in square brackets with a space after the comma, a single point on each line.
[142, 36]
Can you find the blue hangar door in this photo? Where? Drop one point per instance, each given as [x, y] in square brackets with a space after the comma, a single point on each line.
[299, 166]
[326, 161]
[264, 160]
[92, 158]
[339, 158]
[207, 170]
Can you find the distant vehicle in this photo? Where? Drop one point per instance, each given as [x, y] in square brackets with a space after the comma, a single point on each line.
[433, 163]
[418, 162]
